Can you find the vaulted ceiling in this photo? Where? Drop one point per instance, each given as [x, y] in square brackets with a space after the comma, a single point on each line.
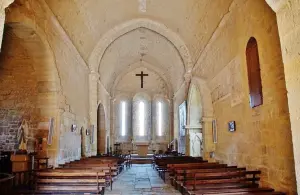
[87, 21]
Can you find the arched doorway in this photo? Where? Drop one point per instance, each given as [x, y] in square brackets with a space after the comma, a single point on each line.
[101, 130]
[194, 123]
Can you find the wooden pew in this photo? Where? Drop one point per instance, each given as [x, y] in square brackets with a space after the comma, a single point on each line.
[194, 177]
[171, 167]
[95, 163]
[181, 174]
[70, 181]
[161, 164]
[232, 181]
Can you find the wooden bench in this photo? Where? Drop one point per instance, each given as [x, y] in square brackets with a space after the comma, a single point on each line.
[234, 181]
[70, 181]
[161, 165]
[171, 167]
[181, 174]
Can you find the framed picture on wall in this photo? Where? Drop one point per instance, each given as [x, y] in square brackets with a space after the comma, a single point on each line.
[214, 131]
[231, 126]
[73, 128]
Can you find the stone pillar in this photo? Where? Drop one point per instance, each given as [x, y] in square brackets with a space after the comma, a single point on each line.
[287, 13]
[93, 89]
[208, 144]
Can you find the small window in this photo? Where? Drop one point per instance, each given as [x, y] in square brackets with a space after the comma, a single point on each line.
[123, 118]
[254, 76]
[159, 115]
[142, 118]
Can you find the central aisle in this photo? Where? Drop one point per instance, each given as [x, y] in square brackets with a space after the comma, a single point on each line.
[140, 180]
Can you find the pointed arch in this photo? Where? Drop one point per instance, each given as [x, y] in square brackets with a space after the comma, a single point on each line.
[120, 30]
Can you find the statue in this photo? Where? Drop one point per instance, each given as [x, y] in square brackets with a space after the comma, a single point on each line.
[22, 135]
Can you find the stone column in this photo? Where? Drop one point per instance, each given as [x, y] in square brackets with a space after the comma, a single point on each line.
[93, 90]
[287, 13]
[208, 144]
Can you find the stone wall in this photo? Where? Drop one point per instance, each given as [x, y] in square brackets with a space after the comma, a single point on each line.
[26, 92]
[289, 30]
[9, 125]
[71, 90]
[263, 137]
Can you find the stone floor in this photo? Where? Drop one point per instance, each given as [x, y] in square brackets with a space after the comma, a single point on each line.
[140, 180]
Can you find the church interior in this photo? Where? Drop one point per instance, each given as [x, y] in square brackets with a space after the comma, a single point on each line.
[150, 97]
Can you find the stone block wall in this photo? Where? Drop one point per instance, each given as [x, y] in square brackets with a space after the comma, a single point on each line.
[263, 137]
[9, 124]
[26, 92]
[289, 31]
[49, 76]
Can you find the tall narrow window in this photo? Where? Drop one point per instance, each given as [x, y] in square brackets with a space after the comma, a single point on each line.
[123, 118]
[142, 118]
[159, 115]
[254, 77]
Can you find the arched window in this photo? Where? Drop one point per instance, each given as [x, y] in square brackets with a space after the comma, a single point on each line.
[254, 76]
[141, 120]
[123, 118]
[160, 119]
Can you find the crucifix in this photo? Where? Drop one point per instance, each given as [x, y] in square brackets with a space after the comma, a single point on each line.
[142, 75]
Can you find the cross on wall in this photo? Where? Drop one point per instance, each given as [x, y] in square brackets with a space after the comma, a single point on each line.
[142, 75]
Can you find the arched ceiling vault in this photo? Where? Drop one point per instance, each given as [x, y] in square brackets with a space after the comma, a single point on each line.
[142, 45]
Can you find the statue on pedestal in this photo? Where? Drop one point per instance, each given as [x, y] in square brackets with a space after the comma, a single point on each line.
[22, 135]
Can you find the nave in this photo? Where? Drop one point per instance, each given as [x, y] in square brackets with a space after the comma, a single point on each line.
[141, 180]
[83, 79]
[166, 175]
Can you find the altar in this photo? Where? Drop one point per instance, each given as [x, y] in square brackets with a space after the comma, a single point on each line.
[142, 148]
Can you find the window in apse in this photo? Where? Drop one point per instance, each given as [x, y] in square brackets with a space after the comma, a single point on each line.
[142, 118]
[123, 118]
[159, 115]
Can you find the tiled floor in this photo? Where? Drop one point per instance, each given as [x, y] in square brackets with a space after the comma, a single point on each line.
[140, 180]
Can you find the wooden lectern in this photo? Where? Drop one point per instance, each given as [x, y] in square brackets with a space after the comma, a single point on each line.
[142, 149]
[20, 162]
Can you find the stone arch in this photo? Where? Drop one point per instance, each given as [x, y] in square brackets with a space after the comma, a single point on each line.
[21, 18]
[200, 88]
[34, 93]
[101, 130]
[121, 29]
